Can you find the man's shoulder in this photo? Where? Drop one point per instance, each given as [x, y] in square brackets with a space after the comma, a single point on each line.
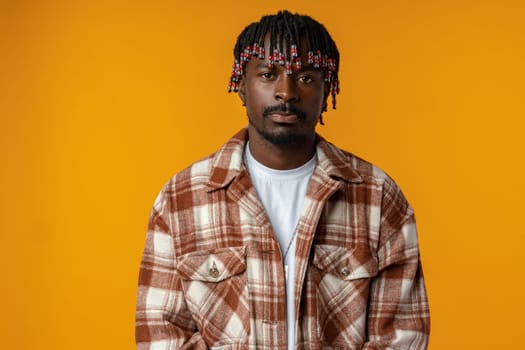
[374, 177]
[194, 176]
[213, 169]
[366, 170]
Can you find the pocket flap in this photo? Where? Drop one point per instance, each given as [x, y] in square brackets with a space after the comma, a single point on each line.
[212, 265]
[344, 263]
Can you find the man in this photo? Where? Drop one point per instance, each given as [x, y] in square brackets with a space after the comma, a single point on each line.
[280, 240]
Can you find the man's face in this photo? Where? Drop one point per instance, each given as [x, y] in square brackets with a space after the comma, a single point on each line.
[283, 109]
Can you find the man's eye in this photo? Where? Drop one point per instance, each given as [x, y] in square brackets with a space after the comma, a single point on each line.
[305, 79]
[266, 75]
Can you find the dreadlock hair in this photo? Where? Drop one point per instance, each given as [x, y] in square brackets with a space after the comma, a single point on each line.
[285, 31]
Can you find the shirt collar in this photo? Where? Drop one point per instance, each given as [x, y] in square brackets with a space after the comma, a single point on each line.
[227, 162]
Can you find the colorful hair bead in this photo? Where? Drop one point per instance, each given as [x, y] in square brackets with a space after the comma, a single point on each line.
[288, 67]
[298, 63]
[310, 57]
[293, 51]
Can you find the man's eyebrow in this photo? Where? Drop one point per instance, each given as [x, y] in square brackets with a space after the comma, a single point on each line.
[309, 67]
[262, 65]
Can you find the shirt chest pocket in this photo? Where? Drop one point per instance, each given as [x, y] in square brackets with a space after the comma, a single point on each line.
[216, 293]
[342, 277]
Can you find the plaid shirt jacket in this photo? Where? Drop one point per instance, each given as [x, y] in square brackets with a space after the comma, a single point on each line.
[212, 274]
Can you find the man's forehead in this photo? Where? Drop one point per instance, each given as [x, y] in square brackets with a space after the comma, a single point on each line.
[258, 63]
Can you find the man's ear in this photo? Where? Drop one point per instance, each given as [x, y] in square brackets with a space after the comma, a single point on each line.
[242, 91]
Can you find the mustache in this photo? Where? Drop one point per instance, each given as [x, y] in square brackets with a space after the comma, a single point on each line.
[284, 108]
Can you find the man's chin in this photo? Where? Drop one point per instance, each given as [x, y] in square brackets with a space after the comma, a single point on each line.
[284, 138]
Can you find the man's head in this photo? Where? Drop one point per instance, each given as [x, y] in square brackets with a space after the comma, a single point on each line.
[290, 37]
[285, 68]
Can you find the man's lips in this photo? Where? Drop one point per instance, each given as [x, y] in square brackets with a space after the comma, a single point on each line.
[284, 118]
[284, 114]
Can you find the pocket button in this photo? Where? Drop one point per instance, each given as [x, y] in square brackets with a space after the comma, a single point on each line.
[345, 271]
[214, 271]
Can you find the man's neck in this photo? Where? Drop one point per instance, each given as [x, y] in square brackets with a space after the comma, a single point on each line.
[280, 157]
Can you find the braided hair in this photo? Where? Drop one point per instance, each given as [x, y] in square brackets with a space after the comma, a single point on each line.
[285, 32]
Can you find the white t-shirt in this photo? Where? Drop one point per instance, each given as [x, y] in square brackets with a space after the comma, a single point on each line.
[282, 194]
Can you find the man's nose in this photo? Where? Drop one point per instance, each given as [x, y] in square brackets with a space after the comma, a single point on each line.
[286, 89]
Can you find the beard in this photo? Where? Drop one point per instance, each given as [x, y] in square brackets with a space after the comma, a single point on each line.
[283, 137]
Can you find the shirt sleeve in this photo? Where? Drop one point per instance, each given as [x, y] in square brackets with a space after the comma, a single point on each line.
[163, 321]
[398, 307]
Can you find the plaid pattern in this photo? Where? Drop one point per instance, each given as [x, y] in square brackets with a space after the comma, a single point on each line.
[212, 276]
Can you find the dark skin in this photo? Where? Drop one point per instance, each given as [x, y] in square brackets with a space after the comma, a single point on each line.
[283, 137]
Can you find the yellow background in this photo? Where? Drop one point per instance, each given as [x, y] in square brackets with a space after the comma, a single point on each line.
[102, 101]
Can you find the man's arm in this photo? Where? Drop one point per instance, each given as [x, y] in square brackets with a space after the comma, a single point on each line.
[162, 319]
[398, 315]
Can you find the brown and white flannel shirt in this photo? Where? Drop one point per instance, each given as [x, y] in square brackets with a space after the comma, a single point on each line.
[212, 273]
